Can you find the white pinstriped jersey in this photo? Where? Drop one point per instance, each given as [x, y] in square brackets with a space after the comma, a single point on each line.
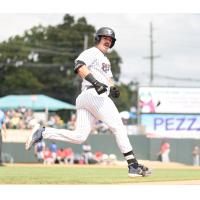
[91, 106]
[98, 64]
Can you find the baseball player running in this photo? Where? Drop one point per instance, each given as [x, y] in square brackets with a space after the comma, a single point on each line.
[94, 68]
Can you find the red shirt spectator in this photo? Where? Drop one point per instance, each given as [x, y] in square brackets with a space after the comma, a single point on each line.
[48, 156]
[68, 152]
[61, 156]
[165, 147]
[47, 153]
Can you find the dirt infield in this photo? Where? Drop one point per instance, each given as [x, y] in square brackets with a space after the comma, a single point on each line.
[192, 182]
[171, 165]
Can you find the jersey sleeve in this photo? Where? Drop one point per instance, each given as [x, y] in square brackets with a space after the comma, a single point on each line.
[85, 57]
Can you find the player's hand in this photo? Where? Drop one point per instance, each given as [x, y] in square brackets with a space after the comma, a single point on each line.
[114, 91]
[100, 87]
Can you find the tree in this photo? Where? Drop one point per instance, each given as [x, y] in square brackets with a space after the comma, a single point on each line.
[115, 63]
[23, 80]
[41, 60]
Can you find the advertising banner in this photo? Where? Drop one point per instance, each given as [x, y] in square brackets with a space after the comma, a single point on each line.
[171, 125]
[169, 100]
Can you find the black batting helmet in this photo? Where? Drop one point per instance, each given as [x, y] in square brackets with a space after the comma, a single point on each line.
[105, 31]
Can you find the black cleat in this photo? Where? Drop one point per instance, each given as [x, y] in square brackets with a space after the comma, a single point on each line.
[138, 170]
[34, 137]
[145, 170]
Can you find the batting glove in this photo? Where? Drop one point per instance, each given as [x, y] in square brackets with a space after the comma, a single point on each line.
[100, 87]
[114, 91]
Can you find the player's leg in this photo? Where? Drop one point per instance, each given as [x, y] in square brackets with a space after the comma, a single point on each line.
[119, 130]
[105, 110]
[84, 125]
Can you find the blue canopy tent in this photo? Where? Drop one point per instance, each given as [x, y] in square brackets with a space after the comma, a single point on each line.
[34, 102]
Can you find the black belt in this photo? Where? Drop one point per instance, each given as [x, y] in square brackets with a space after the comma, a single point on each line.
[89, 87]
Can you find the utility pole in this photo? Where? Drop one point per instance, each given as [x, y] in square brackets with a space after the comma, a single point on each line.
[85, 45]
[152, 56]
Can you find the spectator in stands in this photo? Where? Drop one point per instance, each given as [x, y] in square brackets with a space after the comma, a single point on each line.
[53, 149]
[59, 121]
[47, 156]
[39, 151]
[2, 133]
[69, 155]
[61, 156]
[71, 124]
[88, 156]
[99, 156]
[15, 120]
[23, 118]
[29, 118]
[195, 155]
[112, 159]
[78, 159]
[164, 152]
[51, 122]
[55, 121]
[19, 119]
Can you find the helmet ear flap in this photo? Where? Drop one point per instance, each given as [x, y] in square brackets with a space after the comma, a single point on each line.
[97, 39]
[113, 43]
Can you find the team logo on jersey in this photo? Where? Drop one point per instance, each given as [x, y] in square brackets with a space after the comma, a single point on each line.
[105, 67]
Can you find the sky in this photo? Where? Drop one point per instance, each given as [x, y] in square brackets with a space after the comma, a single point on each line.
[176, 42]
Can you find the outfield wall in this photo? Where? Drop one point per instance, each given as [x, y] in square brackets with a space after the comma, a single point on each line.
[145, 148]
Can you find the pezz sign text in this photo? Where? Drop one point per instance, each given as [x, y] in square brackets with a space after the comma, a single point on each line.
[176, 123]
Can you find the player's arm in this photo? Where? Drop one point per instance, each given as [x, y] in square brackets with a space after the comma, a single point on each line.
[114, 90]
[81, 69]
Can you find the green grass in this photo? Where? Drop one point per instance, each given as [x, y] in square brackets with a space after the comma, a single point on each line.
[74, 175]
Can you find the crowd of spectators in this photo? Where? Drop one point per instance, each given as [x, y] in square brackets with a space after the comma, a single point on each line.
[55, 121]
[23, 118]
[53, 155]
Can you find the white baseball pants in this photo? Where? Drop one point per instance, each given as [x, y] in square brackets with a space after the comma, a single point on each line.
[89, 107]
